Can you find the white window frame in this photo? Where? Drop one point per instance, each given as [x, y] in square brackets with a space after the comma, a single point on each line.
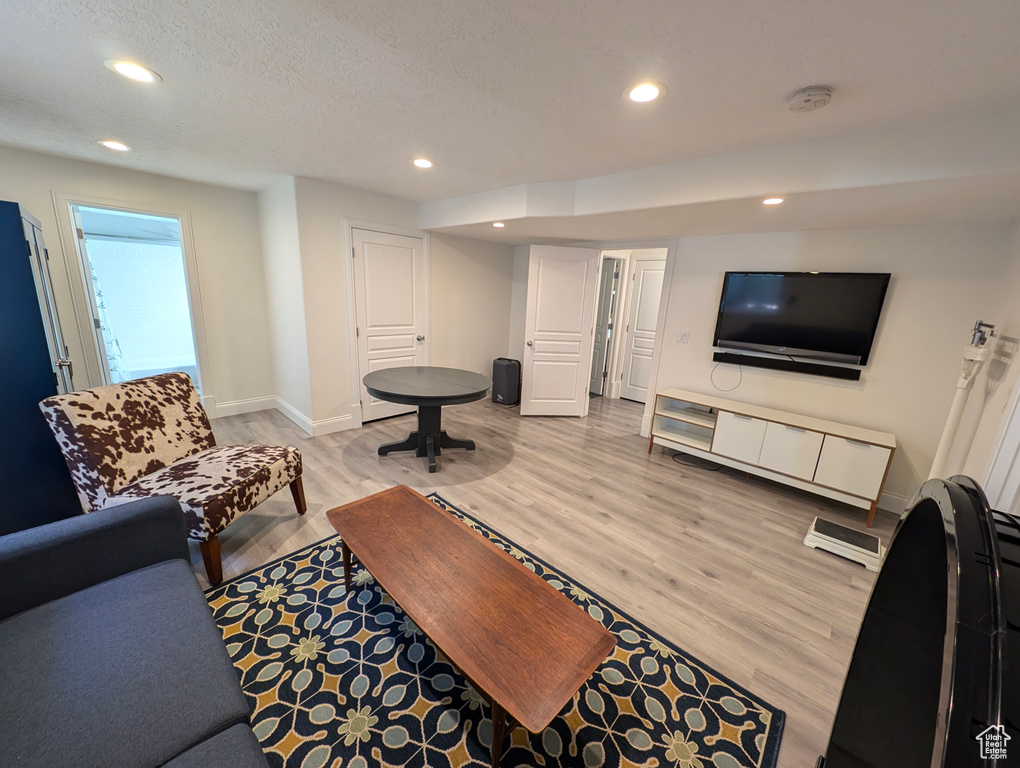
[77, 279]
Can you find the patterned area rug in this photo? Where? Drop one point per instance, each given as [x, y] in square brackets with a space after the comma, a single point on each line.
[349, 680]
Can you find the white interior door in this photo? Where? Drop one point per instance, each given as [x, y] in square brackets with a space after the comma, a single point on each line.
[645, 290]
[558, 329]
[603, 313]
[391, 303]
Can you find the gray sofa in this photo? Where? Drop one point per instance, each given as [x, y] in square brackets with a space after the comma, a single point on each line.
[108, 652]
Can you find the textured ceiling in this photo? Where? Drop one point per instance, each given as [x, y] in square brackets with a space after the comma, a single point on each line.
[497, 93]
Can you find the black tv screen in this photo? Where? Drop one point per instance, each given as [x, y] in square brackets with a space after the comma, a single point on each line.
[818, 315]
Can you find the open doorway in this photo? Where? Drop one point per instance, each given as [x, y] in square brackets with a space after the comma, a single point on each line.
[136, 289]
[626, 320]
[605, 322]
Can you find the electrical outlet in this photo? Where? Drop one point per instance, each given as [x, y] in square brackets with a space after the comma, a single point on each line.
[682, 338]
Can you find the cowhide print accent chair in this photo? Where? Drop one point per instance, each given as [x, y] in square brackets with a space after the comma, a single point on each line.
[151, 437]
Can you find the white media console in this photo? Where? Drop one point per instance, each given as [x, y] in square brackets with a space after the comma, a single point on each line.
[842, 462]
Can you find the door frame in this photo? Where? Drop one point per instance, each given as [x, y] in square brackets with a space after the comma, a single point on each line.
[350, 224]
[672, 246]
[42, 277]
[614, 304]
[77, 278]
[616, 347]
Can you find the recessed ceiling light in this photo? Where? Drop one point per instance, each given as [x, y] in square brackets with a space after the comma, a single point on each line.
[132, 70]
[119, 146]
[421, 162]
[646, 92]
[772, 201]
[498, 224]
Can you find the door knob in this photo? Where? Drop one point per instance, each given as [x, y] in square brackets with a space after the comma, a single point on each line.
[531, 343]
[420, 338]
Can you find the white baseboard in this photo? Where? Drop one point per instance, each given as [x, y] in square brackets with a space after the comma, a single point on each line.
[336, 424]
[315, 428]
[293, 414]
[893, 502]
[237, 407]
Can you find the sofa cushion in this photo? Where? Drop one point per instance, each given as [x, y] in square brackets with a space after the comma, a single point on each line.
[129, 672]
[217, 484]
[236, 747]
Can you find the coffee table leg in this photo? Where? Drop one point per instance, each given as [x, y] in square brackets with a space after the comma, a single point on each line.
[498, 733]
[347, 564]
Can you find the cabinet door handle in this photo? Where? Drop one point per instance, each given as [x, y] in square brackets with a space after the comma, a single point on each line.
[795, 429]
[742, 416]
[857, 442]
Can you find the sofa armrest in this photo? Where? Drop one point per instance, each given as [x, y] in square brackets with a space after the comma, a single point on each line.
[41, 564]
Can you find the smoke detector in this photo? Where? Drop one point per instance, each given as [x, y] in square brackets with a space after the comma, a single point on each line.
[811, 98]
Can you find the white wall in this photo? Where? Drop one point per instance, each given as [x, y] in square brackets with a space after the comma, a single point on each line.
[281, 247]
[469, 280]
[227, 248]
[470, 290]
[995, 390]
[307, 269]
[942, 277]
[321, 210]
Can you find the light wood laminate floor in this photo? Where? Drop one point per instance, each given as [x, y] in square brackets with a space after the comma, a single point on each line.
[713, 561]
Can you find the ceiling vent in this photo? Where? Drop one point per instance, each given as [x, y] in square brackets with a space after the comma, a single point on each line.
[811, 98]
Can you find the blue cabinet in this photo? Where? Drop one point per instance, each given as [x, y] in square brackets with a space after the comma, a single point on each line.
[34, 478]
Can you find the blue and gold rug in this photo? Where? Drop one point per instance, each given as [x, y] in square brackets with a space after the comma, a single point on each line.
[348, 680]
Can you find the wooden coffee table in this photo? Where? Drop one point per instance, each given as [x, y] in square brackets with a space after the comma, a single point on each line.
[525, 647]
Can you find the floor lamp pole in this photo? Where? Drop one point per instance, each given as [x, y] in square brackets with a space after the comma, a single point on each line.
[974, 357]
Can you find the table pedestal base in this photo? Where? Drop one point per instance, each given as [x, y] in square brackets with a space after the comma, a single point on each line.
[430, 439]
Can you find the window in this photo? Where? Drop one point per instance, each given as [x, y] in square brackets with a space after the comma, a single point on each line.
[137, 290]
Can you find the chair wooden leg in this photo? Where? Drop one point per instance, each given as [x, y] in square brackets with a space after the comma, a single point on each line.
[297, 490]
[211, 557]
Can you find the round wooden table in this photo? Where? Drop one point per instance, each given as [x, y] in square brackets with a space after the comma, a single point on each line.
[429, 388]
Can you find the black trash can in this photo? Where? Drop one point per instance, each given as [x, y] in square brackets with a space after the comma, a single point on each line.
[506, 381]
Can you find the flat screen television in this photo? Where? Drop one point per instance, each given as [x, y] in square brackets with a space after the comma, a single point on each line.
[829, 316]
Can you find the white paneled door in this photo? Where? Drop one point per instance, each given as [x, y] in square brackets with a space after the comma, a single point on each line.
[391, 302]
[603, 316]
[562, 283]
[645, 289]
